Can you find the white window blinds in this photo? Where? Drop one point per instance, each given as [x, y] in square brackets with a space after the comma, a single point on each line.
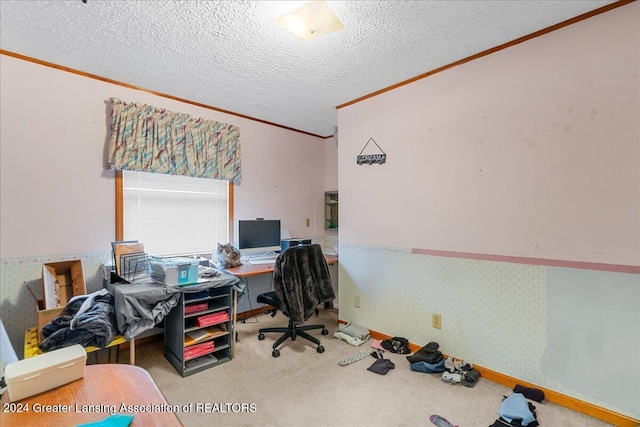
[175, 214]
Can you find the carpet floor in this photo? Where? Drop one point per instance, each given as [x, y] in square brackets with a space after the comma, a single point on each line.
[305, 388]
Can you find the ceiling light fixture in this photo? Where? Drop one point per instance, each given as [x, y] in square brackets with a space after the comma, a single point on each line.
[310, 21]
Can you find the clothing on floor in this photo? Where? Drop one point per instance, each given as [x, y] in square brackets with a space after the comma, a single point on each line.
[428, 368]
[470, 378]
[429, 353]
[462, 366]
[516, 411]
[529, 392]
[348, 338]
[362, 354]
[378, 354]
[355, 331]
[449, 364]
[451, 377]
[381, 366]
[396, 345]
[501, 422]
[377, 344]
[352, 333]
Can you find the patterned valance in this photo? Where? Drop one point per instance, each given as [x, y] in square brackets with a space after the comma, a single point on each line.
[149, 139]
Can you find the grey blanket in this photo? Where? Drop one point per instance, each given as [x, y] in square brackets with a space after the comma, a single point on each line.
[301, 280]
[94, 326]
[142, 305]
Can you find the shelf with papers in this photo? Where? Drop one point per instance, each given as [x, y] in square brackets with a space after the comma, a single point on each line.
[204, 334]
[211, 309]
[202, 339]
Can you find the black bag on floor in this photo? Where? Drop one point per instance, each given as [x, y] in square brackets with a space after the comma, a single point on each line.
[396, 345]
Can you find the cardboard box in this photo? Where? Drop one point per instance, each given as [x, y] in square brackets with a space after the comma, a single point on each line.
[28, 377]
[60, 282]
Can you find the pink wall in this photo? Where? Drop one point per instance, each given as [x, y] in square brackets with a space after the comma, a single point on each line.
[57, 197]
[532, 151]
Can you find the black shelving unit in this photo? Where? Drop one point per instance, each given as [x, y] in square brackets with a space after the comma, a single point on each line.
[218, 299]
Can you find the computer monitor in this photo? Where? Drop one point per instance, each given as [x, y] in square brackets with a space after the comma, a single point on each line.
[258, 236]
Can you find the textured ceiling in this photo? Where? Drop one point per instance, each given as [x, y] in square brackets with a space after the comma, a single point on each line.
[232, 55]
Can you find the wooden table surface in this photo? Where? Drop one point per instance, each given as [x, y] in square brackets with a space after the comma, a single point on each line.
[248, 270]
[103, 391]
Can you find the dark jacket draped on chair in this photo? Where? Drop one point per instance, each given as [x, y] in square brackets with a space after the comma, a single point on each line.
[301, 280]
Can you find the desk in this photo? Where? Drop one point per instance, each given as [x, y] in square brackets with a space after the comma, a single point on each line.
[106, 387]
[248, 270]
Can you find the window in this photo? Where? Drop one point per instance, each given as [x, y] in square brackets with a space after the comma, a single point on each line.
[174, 214]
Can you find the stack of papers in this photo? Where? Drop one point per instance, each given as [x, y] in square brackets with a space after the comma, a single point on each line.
[204, 334]
[212, 319]
[193, 308]
[198, 350]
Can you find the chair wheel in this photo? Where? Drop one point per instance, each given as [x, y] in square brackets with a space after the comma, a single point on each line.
[260, 337]
[275, 353]
[320, 349]
[324, 332]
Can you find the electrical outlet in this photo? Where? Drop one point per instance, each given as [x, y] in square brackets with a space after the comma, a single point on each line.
[437, 321]
[308, 222]
[356, 301]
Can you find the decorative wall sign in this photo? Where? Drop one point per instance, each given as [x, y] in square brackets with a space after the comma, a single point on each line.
[369, 159]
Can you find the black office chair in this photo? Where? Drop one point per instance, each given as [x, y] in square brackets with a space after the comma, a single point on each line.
[301, 281]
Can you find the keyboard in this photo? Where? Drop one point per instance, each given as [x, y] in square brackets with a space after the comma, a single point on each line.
[262, 261]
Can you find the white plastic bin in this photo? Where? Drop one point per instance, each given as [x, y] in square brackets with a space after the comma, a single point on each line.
[35, 375]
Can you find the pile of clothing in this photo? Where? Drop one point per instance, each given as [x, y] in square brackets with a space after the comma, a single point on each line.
[88, 320]
[396, 345]
[429, 359]
[352, 333]
[460, 372]
[515, 411]
[381, 366]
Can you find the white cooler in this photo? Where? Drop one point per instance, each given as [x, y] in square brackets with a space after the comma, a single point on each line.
[35, 375]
